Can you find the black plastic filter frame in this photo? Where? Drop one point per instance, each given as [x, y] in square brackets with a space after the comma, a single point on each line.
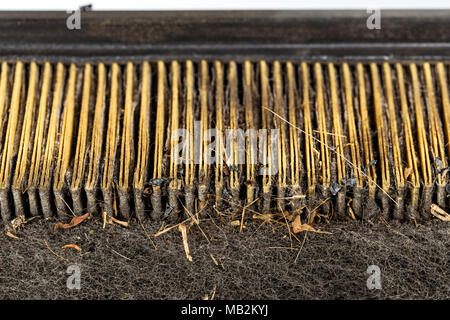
[225, 35]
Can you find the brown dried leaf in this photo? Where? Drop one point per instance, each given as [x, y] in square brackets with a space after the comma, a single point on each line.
[74, 222]
[74, 246]
[286, 215]
[304, 227]
[297, 226]
[9, 234]
[296, 223]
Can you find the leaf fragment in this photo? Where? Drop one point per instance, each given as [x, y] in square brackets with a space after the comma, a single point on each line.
[297, 227]
[11, 235]
[73, 223]
[72, 245]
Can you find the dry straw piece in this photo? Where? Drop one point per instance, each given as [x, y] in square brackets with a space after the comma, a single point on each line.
[181, 139]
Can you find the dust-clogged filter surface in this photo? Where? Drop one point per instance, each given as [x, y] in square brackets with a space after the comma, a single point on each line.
[166, 139]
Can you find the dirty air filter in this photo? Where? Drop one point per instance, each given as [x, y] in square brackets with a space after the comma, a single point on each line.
[149, 114]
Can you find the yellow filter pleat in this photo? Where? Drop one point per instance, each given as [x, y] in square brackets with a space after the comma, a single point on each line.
[13, 119]
[366, 135]
[189, 146]
[38, 144]
[281, 125]
[65, 144]
[58, 126]
[219, 122]
[294, 148]
[399, 178]
[250, 125]
[437, 138]
[233, 83]
[3, 93]
[80, 153]
[309, 145]
[127, 131]
[421, 131]
[414, 177]
[352, 129]
[112, 129]
[203, 169]
[174, 125]
[381, 130]
[266, 115]
[337, 124]
[50, 144]
[144, 123]
[445, 101]
[24, 145]
[160, 122]
[322, 127]
[97, 129]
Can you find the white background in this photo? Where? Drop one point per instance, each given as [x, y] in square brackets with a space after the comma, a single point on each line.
[221, 5]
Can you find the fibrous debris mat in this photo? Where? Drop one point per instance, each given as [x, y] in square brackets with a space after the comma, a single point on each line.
[121, 263]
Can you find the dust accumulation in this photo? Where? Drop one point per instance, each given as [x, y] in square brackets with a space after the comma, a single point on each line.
[260, 262]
